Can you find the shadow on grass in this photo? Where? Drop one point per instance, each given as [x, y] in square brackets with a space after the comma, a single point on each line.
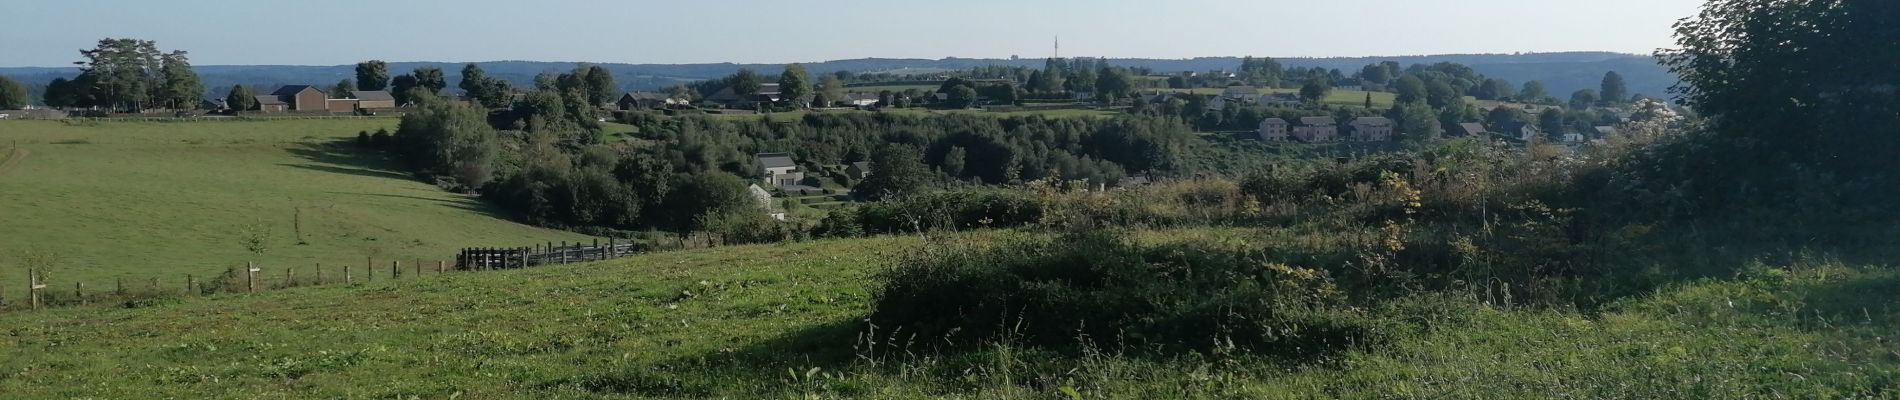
[827, 347]
[343, 157]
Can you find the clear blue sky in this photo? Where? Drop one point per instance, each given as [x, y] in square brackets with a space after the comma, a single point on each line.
[327, 32]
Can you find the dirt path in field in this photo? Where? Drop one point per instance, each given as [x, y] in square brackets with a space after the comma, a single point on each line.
[18, 156]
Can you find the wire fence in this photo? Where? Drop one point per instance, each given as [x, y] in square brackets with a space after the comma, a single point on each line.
[251, 278]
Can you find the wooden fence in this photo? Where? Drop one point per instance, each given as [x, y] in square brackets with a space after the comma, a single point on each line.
[488, 258]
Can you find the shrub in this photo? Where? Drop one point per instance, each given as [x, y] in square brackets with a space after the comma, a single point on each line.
[1097, 287]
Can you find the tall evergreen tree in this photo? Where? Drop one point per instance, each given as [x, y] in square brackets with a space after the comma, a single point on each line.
[1614, 91]
[180, 87]
[124, 72]
[241, 99]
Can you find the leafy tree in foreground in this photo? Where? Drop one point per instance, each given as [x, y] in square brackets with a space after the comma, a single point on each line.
[1790, 87]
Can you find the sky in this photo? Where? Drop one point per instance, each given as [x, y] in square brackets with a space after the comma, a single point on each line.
[335, 32]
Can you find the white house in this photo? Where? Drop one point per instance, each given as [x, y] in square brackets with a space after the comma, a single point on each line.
[778, 170]
[1371, 129]
[765, 202]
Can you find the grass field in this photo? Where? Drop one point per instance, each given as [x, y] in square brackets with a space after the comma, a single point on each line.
[1380, 100]
[140, 200]
[796, 115]
[784, 321]
[893, 88]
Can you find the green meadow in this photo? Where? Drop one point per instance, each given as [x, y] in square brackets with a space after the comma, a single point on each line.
[787, 321]
[95, 202]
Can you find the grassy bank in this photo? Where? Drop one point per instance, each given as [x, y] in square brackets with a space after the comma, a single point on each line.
[137, 200]
[778, 321]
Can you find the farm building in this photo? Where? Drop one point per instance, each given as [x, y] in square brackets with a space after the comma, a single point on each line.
[1316, 129]
[642, 100]
[768, 93]
[373, 99]
[1470, 129]
[269, 103]
[858, 170]
[301, 98]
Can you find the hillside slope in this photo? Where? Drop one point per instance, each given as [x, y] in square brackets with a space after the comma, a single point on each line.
[1562, 73]
[784, 321]
[142, 200]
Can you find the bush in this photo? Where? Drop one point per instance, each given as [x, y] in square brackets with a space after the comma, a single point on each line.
[1094, 288]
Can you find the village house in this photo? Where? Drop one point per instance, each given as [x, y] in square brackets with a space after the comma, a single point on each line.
[1371, 129]
[764, 198]
[768, 93]
[779, 170]
[268, 103]
[1273, 130]
[1281, 99]
[1241, 94]
[373, 99]
[1316, 129]
[858, 170]
[642, 100]
[300, 98]
[1470, 129]
[858, 99]
[1526, 132]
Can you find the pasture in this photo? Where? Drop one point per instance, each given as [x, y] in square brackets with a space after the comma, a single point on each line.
[1380, 100]
[99, 201]
[785, 321]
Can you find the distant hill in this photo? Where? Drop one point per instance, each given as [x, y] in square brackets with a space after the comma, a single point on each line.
[1561, 73]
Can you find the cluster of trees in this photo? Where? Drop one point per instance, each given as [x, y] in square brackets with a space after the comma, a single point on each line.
[128, 75]
[690, 173]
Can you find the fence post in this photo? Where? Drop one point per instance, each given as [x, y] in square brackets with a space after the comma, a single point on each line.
[79, 290]
[319, 271]
[250, 277]
[118, 286]
[564, 252]
[394, 269]
[347, 280]
[33, 287]
[597, 252]
[438, 266]
[418, 267]
[189, 283]
[525, 252]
